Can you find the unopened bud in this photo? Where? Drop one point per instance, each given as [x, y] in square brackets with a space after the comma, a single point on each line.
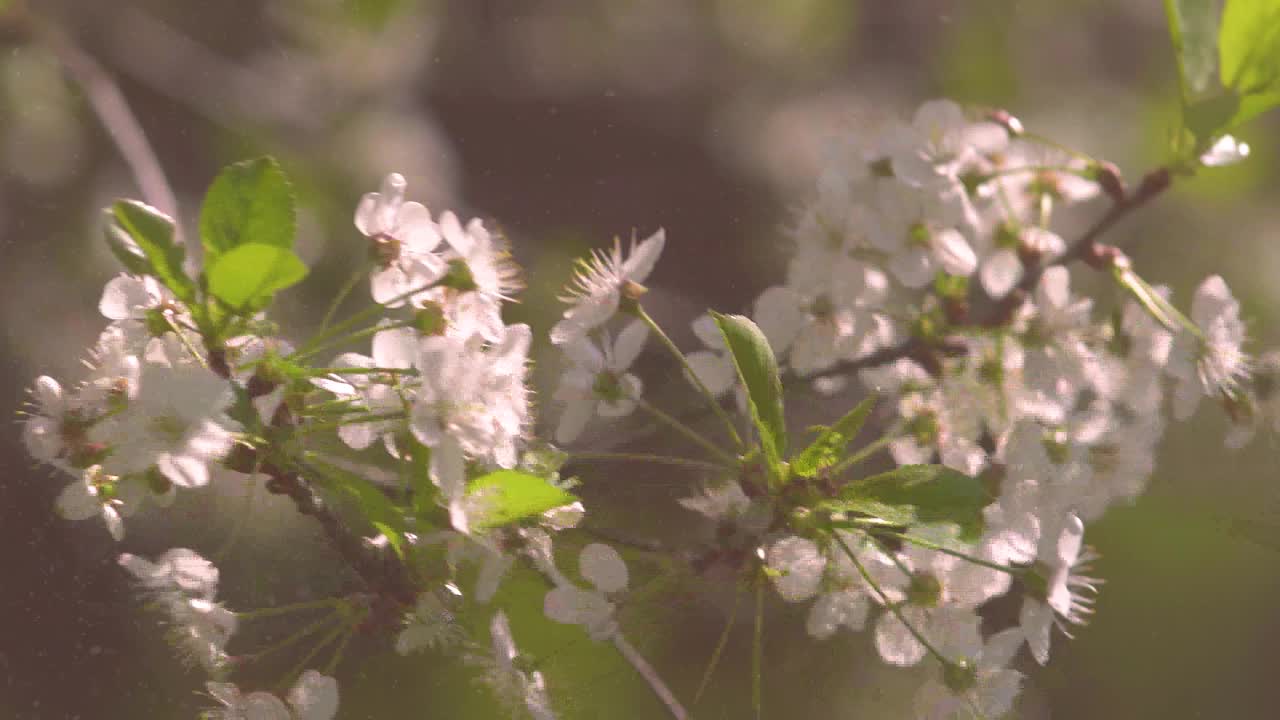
[1108, 177]
[1153, 183]
[1010, 123]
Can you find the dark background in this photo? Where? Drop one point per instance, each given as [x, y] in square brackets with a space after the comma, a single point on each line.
[569, 122]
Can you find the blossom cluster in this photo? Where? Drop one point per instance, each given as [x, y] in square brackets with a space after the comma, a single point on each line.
[926, 272]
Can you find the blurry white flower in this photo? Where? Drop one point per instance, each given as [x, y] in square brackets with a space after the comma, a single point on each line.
[1212, 363]
[598, 383]
[174, 422]
[1057, 593]
[604, 569]
[1225, 151]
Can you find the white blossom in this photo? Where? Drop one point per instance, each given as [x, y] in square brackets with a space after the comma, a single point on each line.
[599, 283]
[597, 382]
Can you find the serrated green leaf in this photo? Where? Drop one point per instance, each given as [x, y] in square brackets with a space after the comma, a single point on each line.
[246, 278]
[918, 494]
[250, 202]
[758, 370]
[1249, 46]
[828, 448]
[152, 231]
[1193, 30]
[510, 495]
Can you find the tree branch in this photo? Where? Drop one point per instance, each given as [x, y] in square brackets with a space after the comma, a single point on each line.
[113, 112]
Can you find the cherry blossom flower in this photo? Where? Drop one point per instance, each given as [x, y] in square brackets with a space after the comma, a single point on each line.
[599, 285]
[403, 239]
[597, 382]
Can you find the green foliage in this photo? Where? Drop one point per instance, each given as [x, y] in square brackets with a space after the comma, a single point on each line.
[250, 202]
[511, 495]
[1193, 29]
[758, 370]
[917, 494]
[373, 505]
[828, 448]
[247, 277]
[152, 232]
[1229, 65]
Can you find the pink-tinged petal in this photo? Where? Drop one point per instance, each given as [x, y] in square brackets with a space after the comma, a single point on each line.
[603, 567]
[953, 252]
[895, 643]
[585, 355]
[115, 525]
[578, 411]
[1036, 618]
[123, 297]
[78, 501]
[183, 470]
[913, 267]
[315, 696]
[457, 238]
[1001, 271]
[712, 370]
[644, 256]
[778, 313]
[629, 344]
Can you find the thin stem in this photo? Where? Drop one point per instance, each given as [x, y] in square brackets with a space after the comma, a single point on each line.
[757, 651]
[333, 603]
[243, 516]
[315, 649]
[342, 648]
[113, 112]
[347, 287]
[929, 544]
[360, 317]
[359, 419]
[883, 356]
[720, 645]
[413, 372]
[884, 600]
[342, 339]
[693, 435]
[865, 452]
[689, 373]
[644, 457]
[650, 676]
[186, 342]
[292, 639]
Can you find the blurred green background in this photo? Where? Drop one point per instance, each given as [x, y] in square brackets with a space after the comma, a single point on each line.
[569, 122]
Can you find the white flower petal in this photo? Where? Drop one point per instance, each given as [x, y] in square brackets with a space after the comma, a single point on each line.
[603, 567]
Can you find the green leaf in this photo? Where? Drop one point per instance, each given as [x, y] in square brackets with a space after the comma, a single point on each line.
[1193, 29]
[373, 505]
[828, 448]
[152, 232]
[918, 494]
[758, 369]
[1249, 46]
[124, 248]
[511, 495]
[419, 468]
[250, 202]
[247, 277]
